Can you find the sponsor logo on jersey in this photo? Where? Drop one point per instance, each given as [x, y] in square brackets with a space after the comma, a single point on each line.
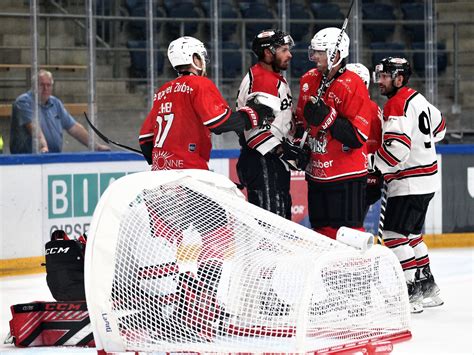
[192, 147]
[305, 87]
[318, 144]
[162, 160]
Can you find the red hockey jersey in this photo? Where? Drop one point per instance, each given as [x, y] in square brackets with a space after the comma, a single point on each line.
[407, 157]
[330, 159]
[183, 111]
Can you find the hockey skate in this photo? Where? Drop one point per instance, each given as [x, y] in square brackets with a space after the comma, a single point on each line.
[415, 296]
[429, 289]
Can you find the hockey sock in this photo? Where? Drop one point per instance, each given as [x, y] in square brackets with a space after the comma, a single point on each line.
[400, 245]
[420, 249]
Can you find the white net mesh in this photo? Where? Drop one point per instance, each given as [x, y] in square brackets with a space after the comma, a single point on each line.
[177, 261]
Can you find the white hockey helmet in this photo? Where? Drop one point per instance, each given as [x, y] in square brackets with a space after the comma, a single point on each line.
[361, 70]
[326, 39]
[181, 51]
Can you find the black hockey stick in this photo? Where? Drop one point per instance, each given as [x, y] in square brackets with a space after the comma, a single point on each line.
[109, 141]
[383, 206]
[324, 80]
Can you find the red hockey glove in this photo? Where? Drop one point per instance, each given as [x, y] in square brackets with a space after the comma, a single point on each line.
[259, 115]
[318, 114]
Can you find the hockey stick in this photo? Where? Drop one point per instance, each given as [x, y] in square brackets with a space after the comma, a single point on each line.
[322, 88]
[109, 141]
[383, 206]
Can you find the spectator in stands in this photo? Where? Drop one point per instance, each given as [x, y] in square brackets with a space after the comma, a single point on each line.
[338, 127]
[268, 155]
[53, 118]
[407, 159]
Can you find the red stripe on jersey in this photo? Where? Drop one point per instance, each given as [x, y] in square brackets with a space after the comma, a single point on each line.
[393, 243]
[402, 138]
[441, 126]
[217, 121]
[408, 264]
[412, 172]
[386, 156]
[259, 139]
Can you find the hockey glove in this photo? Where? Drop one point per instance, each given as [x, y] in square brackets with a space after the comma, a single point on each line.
[318, 114]
[295, 156]
[259, 115]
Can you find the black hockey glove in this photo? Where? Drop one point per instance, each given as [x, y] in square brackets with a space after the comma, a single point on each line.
[318, 114]
[259, 115]
[296, 157]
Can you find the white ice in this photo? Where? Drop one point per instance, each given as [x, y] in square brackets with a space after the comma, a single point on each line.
[443, 330]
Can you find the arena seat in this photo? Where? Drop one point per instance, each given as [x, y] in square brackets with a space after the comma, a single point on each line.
[414, 11]
[139, 60]
[300, 63]
[227, 11]
[256, 11]
[138, 28]
[231, 60]
[299, 12]
[329, 11]
[419, 58]
[374, 11]
[382, 50]
[182, 10]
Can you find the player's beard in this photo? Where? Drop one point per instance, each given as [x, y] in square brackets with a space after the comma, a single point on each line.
[279, 64]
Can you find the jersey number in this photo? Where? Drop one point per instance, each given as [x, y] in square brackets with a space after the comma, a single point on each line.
[424, 124]
[164, 125]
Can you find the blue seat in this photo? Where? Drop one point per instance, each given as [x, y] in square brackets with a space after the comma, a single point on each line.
[257, 11]
[300, 62]
[173, 29]
[138, 28]
[419, 58]
[139, 60]
[329, 11]
[378, 32]
[382, 50]
[231, 60]
[414, 11]
[299, 30]
[227, 11]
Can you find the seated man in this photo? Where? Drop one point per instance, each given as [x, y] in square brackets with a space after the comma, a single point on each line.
[53, 119]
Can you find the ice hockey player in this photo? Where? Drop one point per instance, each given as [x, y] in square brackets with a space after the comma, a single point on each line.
[176, 134]
[267, 156]
[339, 127]
[65, 266]
[374, 178]
[407, 160]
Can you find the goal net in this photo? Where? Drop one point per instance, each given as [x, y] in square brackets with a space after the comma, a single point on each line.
[179, 261]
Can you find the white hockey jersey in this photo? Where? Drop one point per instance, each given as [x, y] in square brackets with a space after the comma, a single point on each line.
[407, 157]
[259, 79]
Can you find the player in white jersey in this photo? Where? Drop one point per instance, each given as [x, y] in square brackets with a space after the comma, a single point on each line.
[407, 160]
[268, 155]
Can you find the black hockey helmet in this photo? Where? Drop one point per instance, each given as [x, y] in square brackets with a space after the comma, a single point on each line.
[271, 39]
[393, 66]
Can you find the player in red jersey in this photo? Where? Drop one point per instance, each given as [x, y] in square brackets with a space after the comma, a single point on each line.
[177, 132]
[339, 127]
[177, 135]
[374, 178]
[407, 160]
[267, 155]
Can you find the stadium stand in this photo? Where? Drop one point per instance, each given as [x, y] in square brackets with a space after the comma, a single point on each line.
[414, 11]
[419, 58]
[329, 11]
[139, 59]
[299, 12]
[257, 11]
[300, 63]
[381, 50]
[374, 11]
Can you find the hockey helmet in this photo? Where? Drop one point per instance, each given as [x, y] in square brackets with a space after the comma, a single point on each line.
[325, 40]
[271, 39]
[361, 70]
[393, 66]
[182, 50]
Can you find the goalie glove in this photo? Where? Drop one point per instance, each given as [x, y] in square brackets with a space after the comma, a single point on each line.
[259, 115]
[318, 114]
[296, 157]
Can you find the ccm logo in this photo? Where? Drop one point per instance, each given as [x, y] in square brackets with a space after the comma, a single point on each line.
[62, 307]
[58, 250]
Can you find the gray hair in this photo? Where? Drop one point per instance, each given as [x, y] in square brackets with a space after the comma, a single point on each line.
[46, 73]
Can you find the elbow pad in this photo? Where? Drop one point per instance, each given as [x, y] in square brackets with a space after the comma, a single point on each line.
[345, 133]
[147, 149]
